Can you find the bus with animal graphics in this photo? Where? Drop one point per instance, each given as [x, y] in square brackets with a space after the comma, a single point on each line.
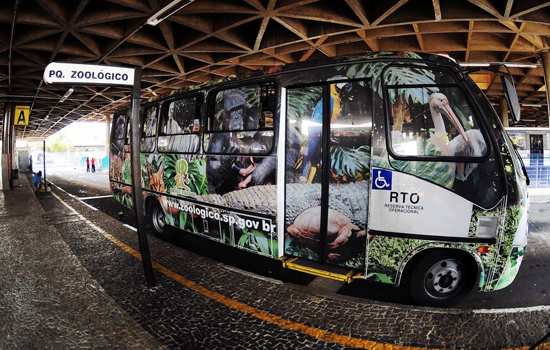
[390, 167]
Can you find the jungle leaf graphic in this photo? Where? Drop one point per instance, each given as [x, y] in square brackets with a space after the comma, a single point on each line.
[392, 76]
[302, 101]
[197, 176]
[183, 219]
[353, 163]
[244, 239]
[262, 242]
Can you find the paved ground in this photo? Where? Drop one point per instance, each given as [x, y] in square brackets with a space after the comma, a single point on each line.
[531, 287]
[47, 299]
[84, 184]
[210, 296]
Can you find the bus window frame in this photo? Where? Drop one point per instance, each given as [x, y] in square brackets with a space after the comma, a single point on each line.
[166, 104]
[143, 137]
[460, 85]
[116, 116]
[210, 107]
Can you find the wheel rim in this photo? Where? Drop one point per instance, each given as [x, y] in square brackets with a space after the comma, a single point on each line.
[443, 278]
[158, 219]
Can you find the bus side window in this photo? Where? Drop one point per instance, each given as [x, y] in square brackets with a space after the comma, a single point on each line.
[180, 125]
[128, 131]
[149, 132]
[434, 121]
[241, 120]
[118, 133]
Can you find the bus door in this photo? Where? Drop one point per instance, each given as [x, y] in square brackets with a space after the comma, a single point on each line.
[328, 133]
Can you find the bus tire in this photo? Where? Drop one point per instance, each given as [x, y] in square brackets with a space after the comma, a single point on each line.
[155, 219]
[440, 278]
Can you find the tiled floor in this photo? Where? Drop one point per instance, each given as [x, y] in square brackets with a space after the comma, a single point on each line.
[538, 169]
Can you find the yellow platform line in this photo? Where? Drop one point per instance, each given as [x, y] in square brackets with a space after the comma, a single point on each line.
[314, 332]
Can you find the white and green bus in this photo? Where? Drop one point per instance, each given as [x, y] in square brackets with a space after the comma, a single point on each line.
[389, 167]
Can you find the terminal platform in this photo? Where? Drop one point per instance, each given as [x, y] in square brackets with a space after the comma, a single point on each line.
[48, 299]
[72, 278]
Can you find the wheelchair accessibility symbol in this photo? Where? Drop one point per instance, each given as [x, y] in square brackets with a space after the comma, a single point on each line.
[381, 179]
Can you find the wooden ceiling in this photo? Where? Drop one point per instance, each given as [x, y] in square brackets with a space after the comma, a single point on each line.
[211, 39]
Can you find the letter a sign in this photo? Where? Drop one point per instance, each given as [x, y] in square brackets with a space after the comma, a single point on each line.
[21, 115]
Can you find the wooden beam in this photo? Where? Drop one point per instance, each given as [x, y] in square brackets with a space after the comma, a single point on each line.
[12, 35]
[328, 50]
[310, 51]
[109, 15]
[76, 14]
[261, 32]
[58, 45]
[315, 13]
[263, 26]
[437, 10]
[372, 43]
[531, 9]
[168, 34]
[89, 42]
[389, 12]
[536, 40]
[290, 4]
[516, 37]
[286, 58]
[220, 30]
[56, 11]
[257, 4]
[136, 5]
[469, 40]
[179, 63]
[359, 11]
[508, 8]
[235, 39]
[418, 36]
[215, 7]
[294, 26]
[487, 7]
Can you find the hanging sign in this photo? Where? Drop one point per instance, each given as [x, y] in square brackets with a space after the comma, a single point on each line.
[21, 115]
[74, 73]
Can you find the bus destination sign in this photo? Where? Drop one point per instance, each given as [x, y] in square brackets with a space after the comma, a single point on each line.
[73, 73]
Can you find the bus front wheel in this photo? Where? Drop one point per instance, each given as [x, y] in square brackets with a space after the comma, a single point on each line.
[155, 219]
[440, 278]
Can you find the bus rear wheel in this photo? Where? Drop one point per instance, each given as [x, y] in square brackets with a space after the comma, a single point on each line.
[440, 279]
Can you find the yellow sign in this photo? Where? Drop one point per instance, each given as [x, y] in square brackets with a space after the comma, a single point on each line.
[21, 115]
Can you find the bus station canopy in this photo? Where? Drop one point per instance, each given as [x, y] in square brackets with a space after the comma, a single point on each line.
[208, 40]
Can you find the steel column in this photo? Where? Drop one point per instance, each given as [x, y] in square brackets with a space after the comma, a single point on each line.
[546, 67]
[7, 149]
[136, 180]
[504, 112]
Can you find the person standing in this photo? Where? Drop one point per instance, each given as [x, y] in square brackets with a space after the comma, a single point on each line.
[36, 180]
[87, 164]
[93, 165]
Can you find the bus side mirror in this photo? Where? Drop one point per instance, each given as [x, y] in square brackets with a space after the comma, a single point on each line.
[511, 97]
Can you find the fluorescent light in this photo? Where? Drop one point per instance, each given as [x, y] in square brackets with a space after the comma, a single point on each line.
[167, 11]
[507, 64]
[66, 96]
[522, 65]
[531, 105]
[466, 64]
